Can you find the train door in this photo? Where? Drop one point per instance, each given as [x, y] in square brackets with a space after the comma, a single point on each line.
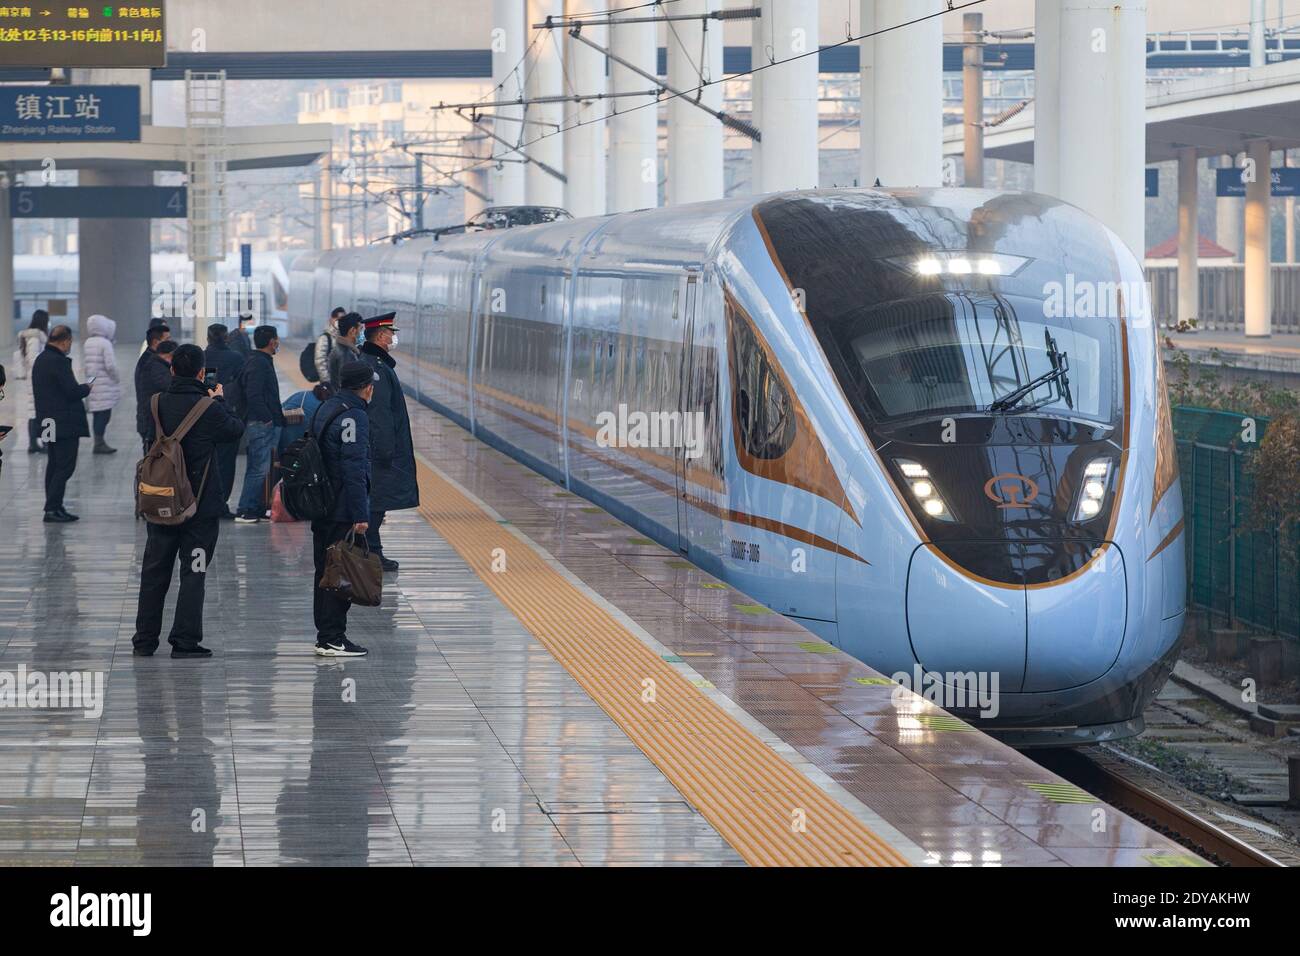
[685, 405]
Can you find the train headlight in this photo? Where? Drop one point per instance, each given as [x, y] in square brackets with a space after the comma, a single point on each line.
[923, 490]
[1096, 478]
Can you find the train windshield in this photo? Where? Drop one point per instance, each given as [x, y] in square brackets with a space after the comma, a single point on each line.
[973, 352]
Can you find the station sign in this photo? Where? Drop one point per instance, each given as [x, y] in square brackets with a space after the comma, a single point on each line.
[59, 34]
[69, 114]
[1285, 182]
[1153, 183]
[99, 202]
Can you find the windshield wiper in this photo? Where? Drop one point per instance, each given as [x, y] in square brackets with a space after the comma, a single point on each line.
[1057, 373]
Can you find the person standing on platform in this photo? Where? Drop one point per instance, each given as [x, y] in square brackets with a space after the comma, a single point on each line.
[31, 343]
[152, 375]
[341, 427]
[392, 451]
[345, 347]
[154, 323]
[226, 363]
[325, 345]
[192, 542]
[259, 388]
[61, 416]
[101, 365]
[239, 338]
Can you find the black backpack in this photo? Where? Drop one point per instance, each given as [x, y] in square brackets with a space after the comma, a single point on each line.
[306, 489]
[307, 362]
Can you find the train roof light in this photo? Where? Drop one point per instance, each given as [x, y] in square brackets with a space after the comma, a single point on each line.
[987, 264]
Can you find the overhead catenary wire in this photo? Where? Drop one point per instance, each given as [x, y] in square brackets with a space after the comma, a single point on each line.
[951, 7]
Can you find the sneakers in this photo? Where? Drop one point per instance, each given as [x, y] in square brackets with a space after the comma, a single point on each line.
[247, 518]
[103, 448]
[226, 515]
[198, 650]
[388, 565]
[59, 517]
[343, 648]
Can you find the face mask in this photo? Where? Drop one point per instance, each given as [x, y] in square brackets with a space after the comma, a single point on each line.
[393, 344]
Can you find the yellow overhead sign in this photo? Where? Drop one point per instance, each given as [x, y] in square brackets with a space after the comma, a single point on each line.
[58, 35]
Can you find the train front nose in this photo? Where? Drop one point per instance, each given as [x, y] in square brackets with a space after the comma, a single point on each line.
[1037, 637]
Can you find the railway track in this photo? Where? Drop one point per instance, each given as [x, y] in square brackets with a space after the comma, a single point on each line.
[1126, 786]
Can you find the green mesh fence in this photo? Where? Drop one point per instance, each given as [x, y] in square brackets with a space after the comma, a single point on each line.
[1239, 574]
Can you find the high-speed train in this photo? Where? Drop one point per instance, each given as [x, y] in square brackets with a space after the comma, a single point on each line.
[928, 424]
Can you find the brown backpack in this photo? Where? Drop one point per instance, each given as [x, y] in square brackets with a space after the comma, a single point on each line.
[162, 485]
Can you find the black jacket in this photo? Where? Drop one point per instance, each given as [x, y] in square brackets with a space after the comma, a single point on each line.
[217, 426]
[347, 462]
[239, 343]
[391, 450]
[226, 361]
[261, 390]
[152, 375]
[58, 396]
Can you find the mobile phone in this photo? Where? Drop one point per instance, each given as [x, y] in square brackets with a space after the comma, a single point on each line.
[91, 380]
[5, 430]
[209, 378]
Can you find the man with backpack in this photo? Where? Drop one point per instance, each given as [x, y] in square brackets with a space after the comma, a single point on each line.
[341, 506]
[178, 493]
[314, 362]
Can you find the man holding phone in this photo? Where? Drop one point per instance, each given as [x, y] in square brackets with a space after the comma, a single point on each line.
[60, 418]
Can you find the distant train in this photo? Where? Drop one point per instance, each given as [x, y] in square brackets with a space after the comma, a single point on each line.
[40, 278]
[928, 424]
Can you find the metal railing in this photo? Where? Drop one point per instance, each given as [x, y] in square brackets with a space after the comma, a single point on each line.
[1223, 296]
[1240, 574]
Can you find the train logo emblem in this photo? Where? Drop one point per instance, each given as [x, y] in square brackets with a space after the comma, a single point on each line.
[1011, 490]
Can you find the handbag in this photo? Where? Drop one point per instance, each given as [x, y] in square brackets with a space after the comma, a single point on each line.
[353, 572]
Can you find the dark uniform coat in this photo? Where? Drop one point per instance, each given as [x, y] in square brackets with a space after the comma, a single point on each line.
[393, 478]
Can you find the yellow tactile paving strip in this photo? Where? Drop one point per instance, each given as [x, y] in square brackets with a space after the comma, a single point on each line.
[769, 812]
[748, 792]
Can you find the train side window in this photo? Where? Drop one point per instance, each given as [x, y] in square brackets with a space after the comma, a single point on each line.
[761, 408]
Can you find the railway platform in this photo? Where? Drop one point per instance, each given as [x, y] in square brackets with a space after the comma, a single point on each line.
[544, 686]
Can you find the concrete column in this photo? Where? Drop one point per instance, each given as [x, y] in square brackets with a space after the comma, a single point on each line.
[509, 38]
[1047, 97]
[972, 94]
[1227, 217]
[1103, 113]
[1188, 235]
[908, 95]
[633, 133]
[1290, 230]
[1258, 279]
[1258, 56]
[584, 144]
[867, 76]
[789, 96]
[326, 204]
[6, 276]
[1288, 205]
[694, 137]
[545, 78]
[114, 272]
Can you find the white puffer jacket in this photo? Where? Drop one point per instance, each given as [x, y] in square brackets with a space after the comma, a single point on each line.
[101, 365]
